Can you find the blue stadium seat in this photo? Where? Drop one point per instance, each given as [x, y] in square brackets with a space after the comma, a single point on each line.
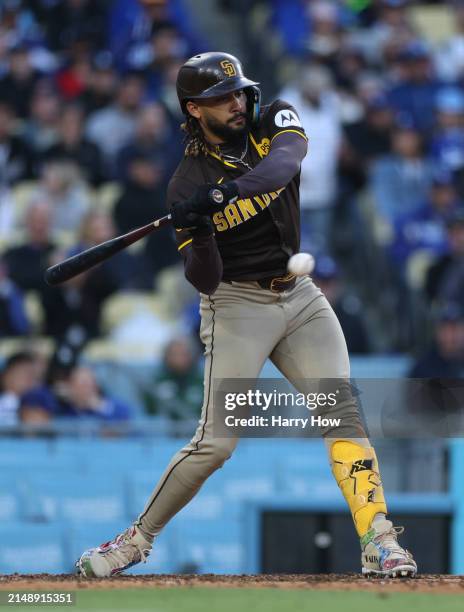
[31, 549]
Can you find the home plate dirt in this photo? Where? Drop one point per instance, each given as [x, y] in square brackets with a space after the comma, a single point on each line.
[425, 583]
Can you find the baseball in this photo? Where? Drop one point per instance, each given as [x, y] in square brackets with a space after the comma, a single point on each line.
[301, 264]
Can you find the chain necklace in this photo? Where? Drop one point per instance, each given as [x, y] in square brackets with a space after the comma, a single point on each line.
[238, 160]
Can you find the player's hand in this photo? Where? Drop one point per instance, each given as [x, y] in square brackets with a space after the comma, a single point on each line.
[206, 200]
[213, 196]
[183, 217]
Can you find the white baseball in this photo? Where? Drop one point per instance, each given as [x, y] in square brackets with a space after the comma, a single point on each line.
[301, 264]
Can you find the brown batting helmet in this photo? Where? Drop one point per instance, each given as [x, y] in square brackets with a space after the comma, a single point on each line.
[214, 74]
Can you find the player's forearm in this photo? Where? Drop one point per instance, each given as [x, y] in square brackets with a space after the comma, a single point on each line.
[203, 264]
[277, 169]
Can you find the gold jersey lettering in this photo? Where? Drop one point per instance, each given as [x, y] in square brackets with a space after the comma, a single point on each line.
[242, 210]
[275, 194]
[262, 204]
[246, 208]
[266, 198]
[220, 222]
[232, 215]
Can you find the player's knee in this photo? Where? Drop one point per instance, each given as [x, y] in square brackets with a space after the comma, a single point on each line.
[222, 451]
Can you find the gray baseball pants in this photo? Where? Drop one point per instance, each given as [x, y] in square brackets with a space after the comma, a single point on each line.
[241, 326]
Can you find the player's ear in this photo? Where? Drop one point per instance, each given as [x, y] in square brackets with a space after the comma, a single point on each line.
[193, 109]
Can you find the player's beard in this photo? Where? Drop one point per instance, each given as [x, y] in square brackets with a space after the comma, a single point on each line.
[225, 132]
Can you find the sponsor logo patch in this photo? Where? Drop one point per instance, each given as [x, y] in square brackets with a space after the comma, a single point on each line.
[286, 118]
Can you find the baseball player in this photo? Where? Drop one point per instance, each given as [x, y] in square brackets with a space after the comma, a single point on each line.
[235, 205]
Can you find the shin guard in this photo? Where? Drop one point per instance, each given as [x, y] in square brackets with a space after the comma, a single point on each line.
[357, 474]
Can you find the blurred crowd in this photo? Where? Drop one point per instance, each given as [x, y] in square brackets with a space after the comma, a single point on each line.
[380, 90]
[89, 137]
[37, 391]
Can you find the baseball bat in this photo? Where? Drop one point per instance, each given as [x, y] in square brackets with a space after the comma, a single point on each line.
[63, 271]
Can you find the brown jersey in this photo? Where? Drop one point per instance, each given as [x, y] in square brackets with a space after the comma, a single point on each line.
[256, 235]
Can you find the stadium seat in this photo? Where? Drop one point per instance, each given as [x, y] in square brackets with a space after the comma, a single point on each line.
[40, 344]
[106, 196]
[435, 23]
[22, 194]
[121, 351]
[34, 310]
[120, 306]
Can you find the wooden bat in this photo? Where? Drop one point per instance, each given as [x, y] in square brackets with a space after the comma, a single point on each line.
[63, 271]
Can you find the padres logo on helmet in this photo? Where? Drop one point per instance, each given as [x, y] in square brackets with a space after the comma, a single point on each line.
[229, 68]
[207, 75]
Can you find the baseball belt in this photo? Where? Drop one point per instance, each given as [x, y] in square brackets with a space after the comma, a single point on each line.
[277, 284]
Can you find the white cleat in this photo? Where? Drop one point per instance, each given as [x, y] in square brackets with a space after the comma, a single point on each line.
[127, 549]
[382, 556]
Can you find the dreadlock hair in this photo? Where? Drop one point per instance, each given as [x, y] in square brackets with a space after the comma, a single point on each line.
[195, 143]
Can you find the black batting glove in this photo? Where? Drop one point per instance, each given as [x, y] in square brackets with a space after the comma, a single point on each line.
[213, 196]
[203, 227]
[183, 217]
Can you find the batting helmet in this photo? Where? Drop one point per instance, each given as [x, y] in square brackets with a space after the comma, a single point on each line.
[214, 74]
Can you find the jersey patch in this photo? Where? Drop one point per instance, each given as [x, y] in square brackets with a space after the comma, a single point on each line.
[286, 117]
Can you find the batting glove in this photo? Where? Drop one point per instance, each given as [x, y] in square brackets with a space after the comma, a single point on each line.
[184, 217]
[212, 197]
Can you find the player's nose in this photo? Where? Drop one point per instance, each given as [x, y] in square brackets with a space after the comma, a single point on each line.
[237, 102]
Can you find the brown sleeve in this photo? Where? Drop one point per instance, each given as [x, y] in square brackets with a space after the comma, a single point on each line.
[203, 264]
[202, 260]
[278, 168]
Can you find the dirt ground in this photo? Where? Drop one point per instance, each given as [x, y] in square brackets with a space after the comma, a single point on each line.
[350, 582]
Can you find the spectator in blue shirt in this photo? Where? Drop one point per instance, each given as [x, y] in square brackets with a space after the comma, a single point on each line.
[425, 229]
[447, 146]
[13, 317]
[84, 398]
[416, 93]
[132, 22]
[450, 265]
[445, 357]
[400, 181]
[78, 395]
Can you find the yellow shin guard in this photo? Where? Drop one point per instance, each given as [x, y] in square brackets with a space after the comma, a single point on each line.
[357, 474]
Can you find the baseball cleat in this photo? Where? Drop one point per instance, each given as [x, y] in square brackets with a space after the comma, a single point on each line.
[382, 556]
[127, 549]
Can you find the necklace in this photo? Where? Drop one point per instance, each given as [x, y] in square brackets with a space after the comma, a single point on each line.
[239, 160]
